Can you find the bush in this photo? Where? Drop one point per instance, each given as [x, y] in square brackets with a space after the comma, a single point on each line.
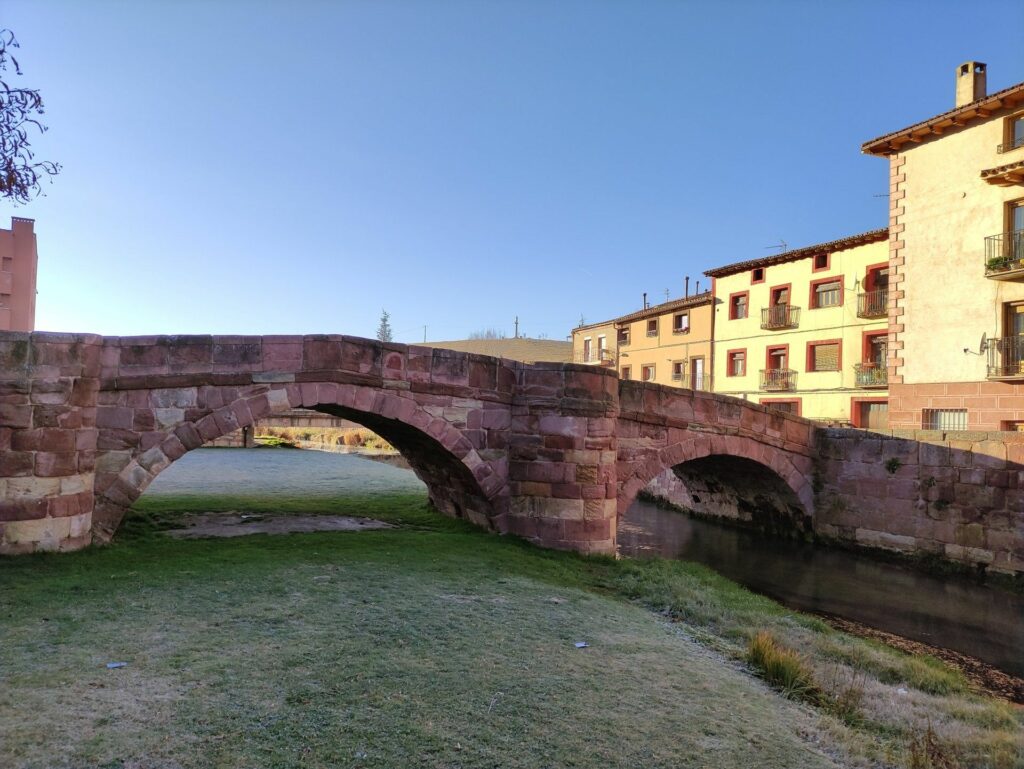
[781, 667]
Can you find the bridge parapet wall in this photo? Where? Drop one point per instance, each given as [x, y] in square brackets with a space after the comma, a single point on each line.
[958, 496]
[48, 388]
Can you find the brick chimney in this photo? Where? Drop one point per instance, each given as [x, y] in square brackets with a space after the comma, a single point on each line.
[970, 82]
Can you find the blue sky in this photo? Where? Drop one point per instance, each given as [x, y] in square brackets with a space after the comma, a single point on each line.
[256, 167]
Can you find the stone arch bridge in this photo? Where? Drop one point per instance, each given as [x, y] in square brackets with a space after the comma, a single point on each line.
[550, 452]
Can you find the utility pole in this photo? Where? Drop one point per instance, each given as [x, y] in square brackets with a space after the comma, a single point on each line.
[517, 327]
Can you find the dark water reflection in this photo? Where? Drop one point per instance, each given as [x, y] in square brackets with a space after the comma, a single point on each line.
[949, 612]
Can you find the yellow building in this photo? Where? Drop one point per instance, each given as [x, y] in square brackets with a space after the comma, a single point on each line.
[668, 343]
[956, 213]
[806, 331]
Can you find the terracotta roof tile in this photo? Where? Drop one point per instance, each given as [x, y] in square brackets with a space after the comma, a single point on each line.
[882, 145]
[842, 244]
[657, 309]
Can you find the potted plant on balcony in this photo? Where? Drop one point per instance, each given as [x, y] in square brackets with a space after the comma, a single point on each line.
[997, 264]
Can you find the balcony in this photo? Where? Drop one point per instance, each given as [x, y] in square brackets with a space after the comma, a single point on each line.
[873, 304]
[778, 379]
[1006, 358]
[780, 316]
[698, 382]
[870, 375]
[1014, 143]
[1004, 256]
[603, 357]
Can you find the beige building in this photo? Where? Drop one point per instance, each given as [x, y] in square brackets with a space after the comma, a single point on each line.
[517, 348]
[18, 276]
[668, 343]
[956, 257]
[805, 331]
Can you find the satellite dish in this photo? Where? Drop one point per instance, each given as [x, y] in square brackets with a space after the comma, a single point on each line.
[983, 347]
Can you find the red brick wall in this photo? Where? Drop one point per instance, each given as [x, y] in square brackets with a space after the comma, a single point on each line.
[989, 404]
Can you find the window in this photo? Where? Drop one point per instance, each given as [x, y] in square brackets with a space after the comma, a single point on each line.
[757, 275]
[627, 372]
[944, 419]
[1014, 136]
[623, 336]
[602, 347]
[827, 292]
[780, 295]
[647, 373]
[736, 363]
[681, 323]
[821, 262]
[738, 306]
[586, 350]
[824, 356]
[652, 327]
[677, 370]
[698, 379]
[777, 357]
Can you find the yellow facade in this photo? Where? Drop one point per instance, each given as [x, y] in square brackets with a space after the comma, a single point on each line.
[807, 331]
[668, 344]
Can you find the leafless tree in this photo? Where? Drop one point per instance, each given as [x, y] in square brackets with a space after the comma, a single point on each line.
[21, 174]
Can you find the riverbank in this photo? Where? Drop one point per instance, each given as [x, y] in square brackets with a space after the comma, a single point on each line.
[435, 644]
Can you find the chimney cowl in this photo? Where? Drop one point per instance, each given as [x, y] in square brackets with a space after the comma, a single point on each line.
[970, 82]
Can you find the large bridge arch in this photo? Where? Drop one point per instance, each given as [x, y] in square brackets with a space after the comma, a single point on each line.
[432, 438]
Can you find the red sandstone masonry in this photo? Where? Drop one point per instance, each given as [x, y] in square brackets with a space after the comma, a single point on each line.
[551, 452]
[956, 495]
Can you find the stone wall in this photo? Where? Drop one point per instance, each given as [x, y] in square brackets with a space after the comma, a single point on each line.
[552, 452]
[48, 433]
[956, 495]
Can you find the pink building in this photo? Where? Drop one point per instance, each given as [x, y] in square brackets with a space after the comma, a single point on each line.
[18, 276]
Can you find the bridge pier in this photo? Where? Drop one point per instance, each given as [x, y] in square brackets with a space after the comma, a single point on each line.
[48, 393]
[562, 457]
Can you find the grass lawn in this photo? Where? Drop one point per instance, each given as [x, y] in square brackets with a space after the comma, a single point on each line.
[436, 645]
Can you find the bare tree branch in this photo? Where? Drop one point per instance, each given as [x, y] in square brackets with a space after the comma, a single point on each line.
[21, 174]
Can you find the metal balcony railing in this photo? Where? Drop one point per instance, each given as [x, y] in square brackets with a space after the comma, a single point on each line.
[780, 316]
[604, 357]
[1006, 358]
[870, 375]
[778, 379]
[691, 382]
[1004, 254]
[1014, 143]
[873, 304]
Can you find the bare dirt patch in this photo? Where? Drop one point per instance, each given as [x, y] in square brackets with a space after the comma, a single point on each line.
[201, 525]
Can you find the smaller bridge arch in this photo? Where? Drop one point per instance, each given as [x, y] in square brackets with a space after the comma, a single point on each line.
[662, 428]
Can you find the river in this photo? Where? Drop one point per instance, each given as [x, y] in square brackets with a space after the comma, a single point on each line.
[952, 612]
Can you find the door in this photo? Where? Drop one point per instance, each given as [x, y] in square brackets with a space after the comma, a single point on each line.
[697, 374]
[874, 416]
[1012, 362]
[601, 346]
[586, 351]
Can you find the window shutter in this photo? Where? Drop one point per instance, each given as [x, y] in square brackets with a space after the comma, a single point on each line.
[826, 357]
